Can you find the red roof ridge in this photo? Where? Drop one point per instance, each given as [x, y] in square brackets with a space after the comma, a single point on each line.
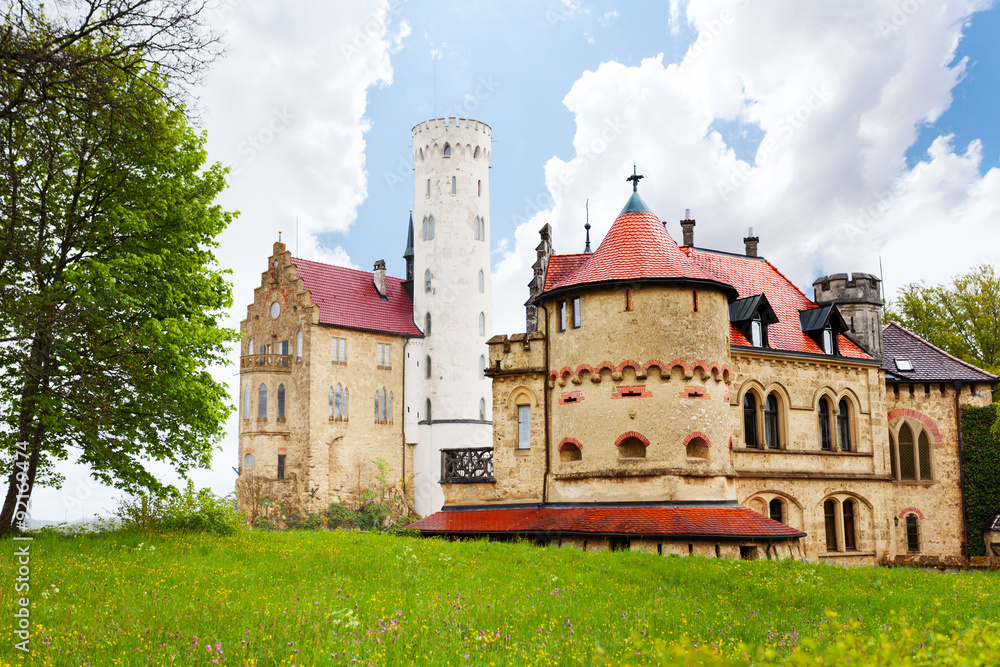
[936, 348]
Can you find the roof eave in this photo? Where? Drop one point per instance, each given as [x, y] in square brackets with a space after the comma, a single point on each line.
[729, 290]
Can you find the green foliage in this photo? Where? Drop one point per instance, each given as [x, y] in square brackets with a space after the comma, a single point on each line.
[110, 296]
[311, 521]
[338, 516]
[963, 320]
[332, 597]
[198, 511]
[982, 471]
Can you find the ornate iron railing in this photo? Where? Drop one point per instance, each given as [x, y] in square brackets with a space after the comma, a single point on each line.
[279, 363]
[467, 466]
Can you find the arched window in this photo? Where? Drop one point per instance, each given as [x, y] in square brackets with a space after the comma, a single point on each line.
[912, 533]
[427, 324]
[843, 426]
[298, 346]
[907, 462]
[262, 402]
[828, 340]
[830, 517]
[482, 324]
[331, 403]
[246, 402]
[570, 451]
[475, 233]
[482, 282]
[482, 365]
[477, 154]
[750, 420]
[248, 460]
[427, 410]
[427, 361]
[479, 186]
[338, 402]
[427, 280]
[250, 349]
[847, 508]
[756, 332]
[378, 404]
[776, 509]
[430, 227]
[428, 187]
[382, 415]
[281, 401]
[482, 409]
[697, 448]
[892, 455]
[924, 455]
[523, 425]
[447, 150]
[632, 448]
[772, 426]
[824, 424]
[421, 153]
[388, 410]
[454, 185]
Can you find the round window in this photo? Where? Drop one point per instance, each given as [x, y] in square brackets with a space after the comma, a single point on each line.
[275, 310]
[248, 460]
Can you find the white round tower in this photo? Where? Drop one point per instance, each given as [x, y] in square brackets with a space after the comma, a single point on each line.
[450, 400]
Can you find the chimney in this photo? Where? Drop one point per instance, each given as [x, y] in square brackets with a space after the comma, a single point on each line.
[379, 277]
[687, 226]
[751, 243]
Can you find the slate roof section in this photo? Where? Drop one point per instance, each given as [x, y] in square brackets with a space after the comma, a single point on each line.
[348, 298]
[815, 319]
[742, 310]
[930, 363]
[688, 521]
[637, 247]
[755, 275]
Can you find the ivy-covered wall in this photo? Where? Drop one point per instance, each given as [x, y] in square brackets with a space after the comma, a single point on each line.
[982, 472]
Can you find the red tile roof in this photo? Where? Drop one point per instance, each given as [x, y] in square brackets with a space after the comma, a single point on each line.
[930, 363]
[751, 276]
[729, 521]
[637, 247]
[348, 298]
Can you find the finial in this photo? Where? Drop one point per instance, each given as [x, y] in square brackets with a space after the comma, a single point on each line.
[279, 236]
[635, 179]
[587, 227]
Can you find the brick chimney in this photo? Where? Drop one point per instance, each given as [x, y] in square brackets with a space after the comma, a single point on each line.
[687, 226]
[378, 277]
[751, 243]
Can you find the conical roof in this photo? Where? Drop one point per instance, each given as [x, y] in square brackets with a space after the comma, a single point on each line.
[409, 239]
[636, 248]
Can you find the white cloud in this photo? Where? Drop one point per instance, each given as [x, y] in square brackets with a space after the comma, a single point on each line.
[839, 98]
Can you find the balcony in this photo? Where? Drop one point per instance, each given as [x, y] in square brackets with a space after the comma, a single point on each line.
[467, 466]
[269, 363]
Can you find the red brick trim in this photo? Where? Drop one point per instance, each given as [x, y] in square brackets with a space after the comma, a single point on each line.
[654, 362]
[571, 397]
[604, 364]
[584, 367]
[565, 372]
[911, 510]
[713, 369]
[569, 441]
[631, 434]
[628, 362]
[675, 363]
[694, 392]
[922, 418]
[697, 434]
[622, 389]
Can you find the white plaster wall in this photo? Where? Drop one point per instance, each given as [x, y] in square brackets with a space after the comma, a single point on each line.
[454, 257]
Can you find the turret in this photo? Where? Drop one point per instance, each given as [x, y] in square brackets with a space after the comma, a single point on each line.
[408, 258]
[859, 300]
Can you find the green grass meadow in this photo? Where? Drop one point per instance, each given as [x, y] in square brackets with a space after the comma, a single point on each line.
[348, 598]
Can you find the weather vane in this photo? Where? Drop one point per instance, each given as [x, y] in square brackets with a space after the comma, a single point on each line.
[634, 178]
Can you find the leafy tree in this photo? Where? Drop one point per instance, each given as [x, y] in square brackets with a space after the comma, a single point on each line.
[109, 291]
[963, 320]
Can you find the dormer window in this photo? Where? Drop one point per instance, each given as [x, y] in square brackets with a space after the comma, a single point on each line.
[752, 316]
[756, 332]
[823, 325]
[828, 340]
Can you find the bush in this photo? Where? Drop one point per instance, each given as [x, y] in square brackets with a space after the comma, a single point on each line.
[372, 516]
[338, 516]
[198, 511]
[263, 523]
[311, 521]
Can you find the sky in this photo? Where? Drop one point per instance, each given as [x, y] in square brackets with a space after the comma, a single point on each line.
[859, 135]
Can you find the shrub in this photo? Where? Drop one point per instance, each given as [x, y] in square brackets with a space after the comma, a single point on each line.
[198, 511]
[338, 516]
[311, 521]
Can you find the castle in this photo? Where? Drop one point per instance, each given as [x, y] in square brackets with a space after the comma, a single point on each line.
[664, 397]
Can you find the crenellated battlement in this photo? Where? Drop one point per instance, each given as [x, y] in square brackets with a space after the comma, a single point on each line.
[519, 352]
[856, 288]
[453, 124]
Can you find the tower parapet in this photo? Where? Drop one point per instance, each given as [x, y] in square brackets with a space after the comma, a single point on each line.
[858, 297]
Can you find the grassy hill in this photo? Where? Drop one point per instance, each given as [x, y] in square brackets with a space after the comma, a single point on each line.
[311, 598]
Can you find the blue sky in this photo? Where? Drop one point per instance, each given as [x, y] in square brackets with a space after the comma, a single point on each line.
[847, 134]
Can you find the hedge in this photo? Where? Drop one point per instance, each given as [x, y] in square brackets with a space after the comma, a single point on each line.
[982, 472]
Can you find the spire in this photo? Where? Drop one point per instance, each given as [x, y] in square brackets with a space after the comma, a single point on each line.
[587, 227]
[408, 256]
[409, 239]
